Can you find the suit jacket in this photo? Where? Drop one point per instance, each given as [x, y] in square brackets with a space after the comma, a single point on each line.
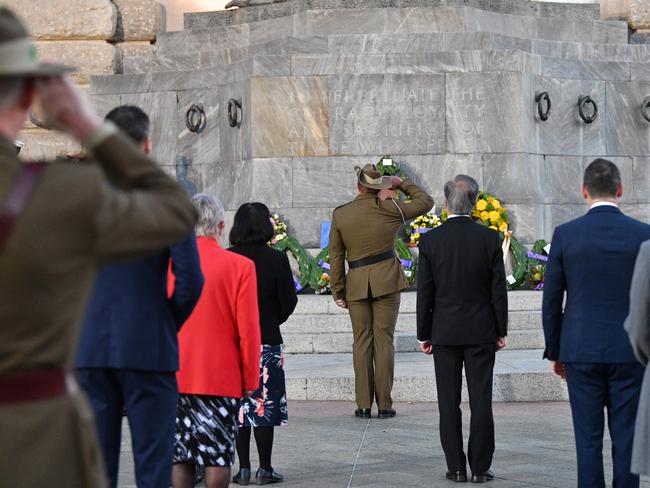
[74, 221]
[276, 290]
[638, 328]
[462, 297]
[365, 227]
[592, 260]
[220, 343]
[130, 322]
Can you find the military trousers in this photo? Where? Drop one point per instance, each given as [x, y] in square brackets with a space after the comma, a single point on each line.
[373, 328]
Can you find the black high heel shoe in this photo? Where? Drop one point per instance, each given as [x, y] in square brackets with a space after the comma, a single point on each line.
[243, 477]
[266, 476]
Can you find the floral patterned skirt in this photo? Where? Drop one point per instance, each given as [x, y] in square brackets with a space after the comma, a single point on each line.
[267, 407]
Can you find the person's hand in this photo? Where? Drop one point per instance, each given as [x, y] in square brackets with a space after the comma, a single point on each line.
[386, 194]
[248, 393]
[395, 180]
[341, 303]
[426, 347]
[501, 343]
[559, 369]
[65, 108]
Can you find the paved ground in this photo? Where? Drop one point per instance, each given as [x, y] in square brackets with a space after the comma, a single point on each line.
[325, 446]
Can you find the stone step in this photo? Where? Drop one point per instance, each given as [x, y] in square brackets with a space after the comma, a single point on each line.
[393, 21]
[518, 376]
[528, 300]
[406, 322]
[341, 342]
[277, 11]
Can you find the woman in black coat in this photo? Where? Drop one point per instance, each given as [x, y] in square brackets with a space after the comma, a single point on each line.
[267, 407]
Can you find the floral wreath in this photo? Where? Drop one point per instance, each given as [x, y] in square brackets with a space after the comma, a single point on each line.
[536, 265]
[283, 242]
[319, 275]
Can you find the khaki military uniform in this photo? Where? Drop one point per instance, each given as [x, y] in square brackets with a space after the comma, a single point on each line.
[73, 222]
[366, 227]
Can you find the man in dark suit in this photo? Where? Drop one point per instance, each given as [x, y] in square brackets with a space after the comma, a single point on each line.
[128, 354]
[462, 317]
[592, 260]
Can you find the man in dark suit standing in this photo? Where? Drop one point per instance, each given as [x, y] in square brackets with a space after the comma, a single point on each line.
[128, 354]
[592, 260]
[462, 316]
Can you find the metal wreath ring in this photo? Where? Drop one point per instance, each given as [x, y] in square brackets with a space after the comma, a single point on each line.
[234, 106]
[195, 118]
[582, 103]
[543, 98]
[645, 107]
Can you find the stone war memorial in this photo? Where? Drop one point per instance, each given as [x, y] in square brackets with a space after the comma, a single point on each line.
[278, 102]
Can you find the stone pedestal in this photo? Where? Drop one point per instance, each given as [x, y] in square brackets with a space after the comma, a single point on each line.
[640, 15]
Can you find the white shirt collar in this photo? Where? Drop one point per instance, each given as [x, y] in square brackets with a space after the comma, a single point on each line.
[453, 216]
[604, 204]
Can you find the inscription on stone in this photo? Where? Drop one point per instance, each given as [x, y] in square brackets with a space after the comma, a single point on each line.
[387, 114]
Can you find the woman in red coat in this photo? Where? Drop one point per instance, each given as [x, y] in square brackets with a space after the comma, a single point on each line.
[219, 350]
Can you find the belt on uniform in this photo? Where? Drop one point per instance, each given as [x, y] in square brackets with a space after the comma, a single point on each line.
[377, 258]
[30, 386]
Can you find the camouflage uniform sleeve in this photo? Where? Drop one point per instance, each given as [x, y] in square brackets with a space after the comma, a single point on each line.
[337, 262]
[142, 209]
[420, 202]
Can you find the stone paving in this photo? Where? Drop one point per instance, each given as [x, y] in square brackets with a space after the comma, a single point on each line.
[325, 446]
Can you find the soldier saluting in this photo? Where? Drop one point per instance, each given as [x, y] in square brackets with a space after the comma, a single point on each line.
[58, 222]
[363, 232]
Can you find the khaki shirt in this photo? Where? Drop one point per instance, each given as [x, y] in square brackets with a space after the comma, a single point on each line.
[365, 227]
[73, 222]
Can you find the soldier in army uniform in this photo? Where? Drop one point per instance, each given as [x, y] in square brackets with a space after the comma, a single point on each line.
[58, 223]
[363, 232]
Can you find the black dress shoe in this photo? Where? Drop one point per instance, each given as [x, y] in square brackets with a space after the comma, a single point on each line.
[483, 478]
[243, 477]
[457, 476]
[266, 476]
[363, 413]
[387, 414]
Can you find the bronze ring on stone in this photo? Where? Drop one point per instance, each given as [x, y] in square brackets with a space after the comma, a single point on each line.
[39, 123]
[234, 107]
[195, 118]
[582, 104]
[543, 105]
[646, 108]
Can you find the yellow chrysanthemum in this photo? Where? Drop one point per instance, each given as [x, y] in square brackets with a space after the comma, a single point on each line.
[416, 235]
[496, 203]
[494, 217]
[493, 227]
[481, 205]
[503, 226]
[484, 215]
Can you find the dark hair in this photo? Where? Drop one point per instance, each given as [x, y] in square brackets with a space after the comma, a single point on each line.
[131, 120]
[602, 178]
[252, 225]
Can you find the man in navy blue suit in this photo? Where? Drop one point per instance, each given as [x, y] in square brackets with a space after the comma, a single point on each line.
[128, 354]
[592, 260]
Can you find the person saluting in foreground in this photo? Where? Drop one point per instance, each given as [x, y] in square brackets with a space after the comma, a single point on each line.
[58, 223]
[363, 232]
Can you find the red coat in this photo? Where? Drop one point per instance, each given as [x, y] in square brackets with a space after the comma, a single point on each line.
[220, 343]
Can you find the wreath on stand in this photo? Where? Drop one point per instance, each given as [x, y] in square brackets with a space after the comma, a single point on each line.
[319, 275]
[536, 265]
[283, 242]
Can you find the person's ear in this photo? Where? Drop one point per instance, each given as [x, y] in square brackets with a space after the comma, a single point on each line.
[28, 96]
[146, 146]
[619, 191]
[585, 193]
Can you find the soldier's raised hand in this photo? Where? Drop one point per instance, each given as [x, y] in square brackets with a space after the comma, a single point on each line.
[65, 108]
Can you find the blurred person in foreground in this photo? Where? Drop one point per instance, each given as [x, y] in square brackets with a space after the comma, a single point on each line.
[58, 223]
[128, 353]
[591, 261]
[219, 349]
[276, 296]
[637, 326]
[462, 319]
[363, 233]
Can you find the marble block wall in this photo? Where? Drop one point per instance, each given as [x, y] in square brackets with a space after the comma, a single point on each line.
[443, 90]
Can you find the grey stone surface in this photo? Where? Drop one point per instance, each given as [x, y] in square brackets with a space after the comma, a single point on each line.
[627, 131]
[250, 181]
[565, 132]
[323, 182]
[640, 71]
[485, 113]
[382, 114]
[641, 179]
[338, 65]
[236, 141]
[204, 147]
[425, 20]
[585, 70]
